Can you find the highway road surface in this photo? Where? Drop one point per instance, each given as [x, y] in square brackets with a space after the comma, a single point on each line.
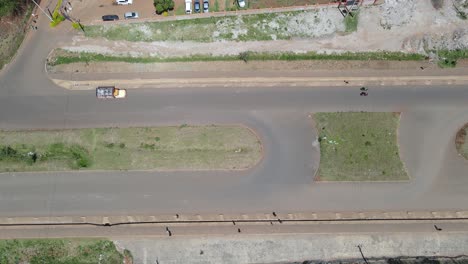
[283, 181]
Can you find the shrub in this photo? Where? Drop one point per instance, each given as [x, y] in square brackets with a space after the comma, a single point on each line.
[76, 25]
[244, 56]
[163, 5]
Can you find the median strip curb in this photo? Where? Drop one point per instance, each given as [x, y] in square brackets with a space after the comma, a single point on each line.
[263, 81]
[223, 219]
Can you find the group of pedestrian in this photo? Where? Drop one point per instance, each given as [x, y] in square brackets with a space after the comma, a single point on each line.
[364, 91]
[33, 26]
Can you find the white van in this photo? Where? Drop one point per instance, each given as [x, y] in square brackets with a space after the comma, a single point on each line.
[124, 2]
[188, 7]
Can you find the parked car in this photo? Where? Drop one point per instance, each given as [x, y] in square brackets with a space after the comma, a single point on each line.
[241, 3]
[196, 6]
[188, 7]
[129, 15]
[110, 17]
[124, 2]
[206, 6]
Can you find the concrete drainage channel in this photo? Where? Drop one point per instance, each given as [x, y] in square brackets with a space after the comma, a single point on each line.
[221, 219]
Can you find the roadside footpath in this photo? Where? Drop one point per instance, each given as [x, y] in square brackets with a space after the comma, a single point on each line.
[86, 76]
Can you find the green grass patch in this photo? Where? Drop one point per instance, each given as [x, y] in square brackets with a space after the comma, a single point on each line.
[351, 22]
[461, 141]
[60, 251]
[183, 147]
[65, 57]
[449, 58]
[359, 147]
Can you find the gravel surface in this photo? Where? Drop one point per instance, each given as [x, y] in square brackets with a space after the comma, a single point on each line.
[396, 25]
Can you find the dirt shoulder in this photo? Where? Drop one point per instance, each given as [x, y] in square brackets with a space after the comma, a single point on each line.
[84, 76]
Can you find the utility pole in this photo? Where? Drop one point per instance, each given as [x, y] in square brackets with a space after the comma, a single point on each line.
[47, 15]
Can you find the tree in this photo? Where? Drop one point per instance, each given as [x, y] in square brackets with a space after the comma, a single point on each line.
[163, 5]
[12, 7]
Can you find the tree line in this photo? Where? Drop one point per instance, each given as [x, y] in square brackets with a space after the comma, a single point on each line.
[13, 7]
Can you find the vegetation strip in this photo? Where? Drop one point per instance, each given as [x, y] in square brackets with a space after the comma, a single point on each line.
[13, 31]
[461, 141]
[166, 148]
[67, 57]
[61, 251]
[359, 147]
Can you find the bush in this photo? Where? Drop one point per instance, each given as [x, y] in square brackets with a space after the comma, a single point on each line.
[244, 56]
[76, 25]
[80, 156]
[163, 5]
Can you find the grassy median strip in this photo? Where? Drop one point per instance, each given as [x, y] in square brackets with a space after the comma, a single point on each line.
[66, 57]
[359, 147]
[60, 251]
[152, 148]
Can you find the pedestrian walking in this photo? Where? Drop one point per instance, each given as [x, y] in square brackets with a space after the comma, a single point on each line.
[363, 94]
[168, 231]
[274, 214]
[437, 228]
[34, 21]
[238, 230]
[346, 81]
[363, 89]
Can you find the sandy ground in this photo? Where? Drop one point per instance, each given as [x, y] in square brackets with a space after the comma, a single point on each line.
[410, 26]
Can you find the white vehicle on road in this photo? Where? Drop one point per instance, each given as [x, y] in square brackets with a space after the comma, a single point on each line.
[124, 2]
[107, 92]
[188, 7]
[129, 15]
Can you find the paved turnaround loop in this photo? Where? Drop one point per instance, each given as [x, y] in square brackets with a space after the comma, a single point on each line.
[282, 182]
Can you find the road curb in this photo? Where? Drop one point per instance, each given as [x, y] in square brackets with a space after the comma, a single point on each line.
[264, 82]
[230, 219]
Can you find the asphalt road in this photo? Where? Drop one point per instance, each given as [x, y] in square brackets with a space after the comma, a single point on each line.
[283, 181]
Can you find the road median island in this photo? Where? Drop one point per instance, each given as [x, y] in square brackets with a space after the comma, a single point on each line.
[184, 147]
[461, 141]
[359, 146]
[62, 251]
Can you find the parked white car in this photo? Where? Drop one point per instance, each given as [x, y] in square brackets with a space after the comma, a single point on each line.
[129, 15]
[188, 7]
[124, 2]
[241, 3]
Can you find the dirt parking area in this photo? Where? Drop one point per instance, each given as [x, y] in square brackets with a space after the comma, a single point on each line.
[88, 11]
[91, 11]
